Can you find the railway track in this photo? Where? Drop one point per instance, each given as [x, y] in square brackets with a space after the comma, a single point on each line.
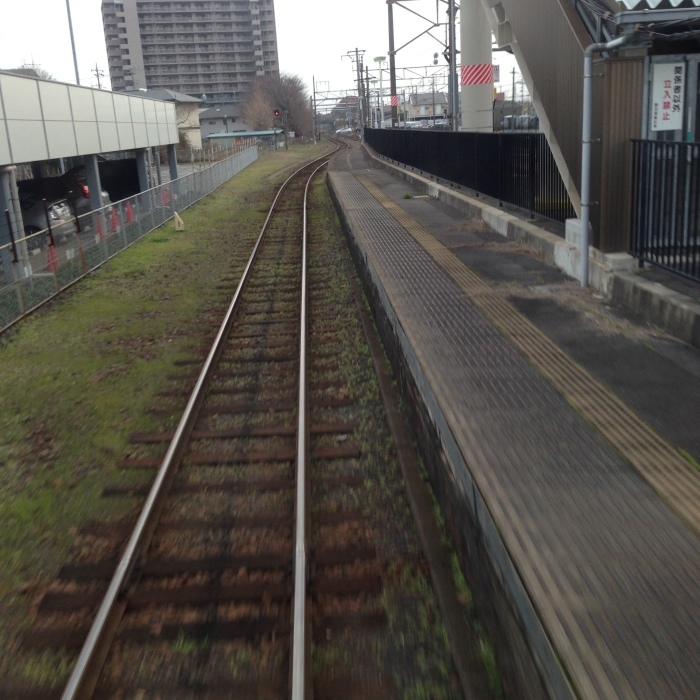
[254, 545]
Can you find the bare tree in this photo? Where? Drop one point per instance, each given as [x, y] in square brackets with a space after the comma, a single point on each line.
[33, 70]
[258, 109]
[292, 94]
[286, 93]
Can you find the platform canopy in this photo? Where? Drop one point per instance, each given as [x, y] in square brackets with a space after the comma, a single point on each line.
[43, 119]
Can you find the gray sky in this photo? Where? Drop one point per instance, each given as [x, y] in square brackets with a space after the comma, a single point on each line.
[313, 40]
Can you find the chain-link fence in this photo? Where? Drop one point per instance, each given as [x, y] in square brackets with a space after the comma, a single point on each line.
[38, 266]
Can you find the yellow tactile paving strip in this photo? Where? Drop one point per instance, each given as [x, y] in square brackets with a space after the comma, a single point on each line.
[673, 478]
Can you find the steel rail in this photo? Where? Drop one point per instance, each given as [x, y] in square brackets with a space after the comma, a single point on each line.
[299, 626]
[85, 673]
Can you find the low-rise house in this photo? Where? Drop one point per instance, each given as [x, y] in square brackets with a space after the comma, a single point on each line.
[220, 119]
[426, 105]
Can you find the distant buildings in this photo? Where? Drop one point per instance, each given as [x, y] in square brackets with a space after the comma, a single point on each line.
[211, 49]
[346, 112]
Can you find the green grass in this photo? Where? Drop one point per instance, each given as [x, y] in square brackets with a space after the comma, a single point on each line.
[45, 669]
[489, 660]
[690, 459]
[185, 645]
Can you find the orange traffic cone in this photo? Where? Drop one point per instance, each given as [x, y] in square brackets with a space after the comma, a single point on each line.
[51, 259]
[129, 213]
[100, 235]
[164, 196]
[114, 222]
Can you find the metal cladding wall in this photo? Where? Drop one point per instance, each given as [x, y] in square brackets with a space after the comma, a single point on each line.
[624, 84]
[41, 119]
[552, 39]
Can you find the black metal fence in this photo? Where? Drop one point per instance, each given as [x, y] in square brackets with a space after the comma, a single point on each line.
[666, 205]
[517, 169]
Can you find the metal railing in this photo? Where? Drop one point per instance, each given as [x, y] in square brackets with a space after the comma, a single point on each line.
[210, 153]
[666, 205]
[516, 169]
[36, 267]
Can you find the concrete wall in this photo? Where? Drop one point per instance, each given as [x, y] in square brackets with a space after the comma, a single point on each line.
[188, 123]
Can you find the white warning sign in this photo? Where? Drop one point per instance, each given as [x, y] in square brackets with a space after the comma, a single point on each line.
[667, 92]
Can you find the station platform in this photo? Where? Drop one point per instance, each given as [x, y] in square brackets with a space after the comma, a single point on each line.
[568, 435]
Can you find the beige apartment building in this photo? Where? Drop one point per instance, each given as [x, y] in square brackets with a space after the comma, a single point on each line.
[211, 49]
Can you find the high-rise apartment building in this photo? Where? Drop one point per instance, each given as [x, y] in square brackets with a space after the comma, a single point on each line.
[197, 47]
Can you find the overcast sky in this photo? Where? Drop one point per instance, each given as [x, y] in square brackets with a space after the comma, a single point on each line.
[313, 40]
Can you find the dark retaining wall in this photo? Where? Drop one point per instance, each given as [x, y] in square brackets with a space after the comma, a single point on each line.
[495, 608]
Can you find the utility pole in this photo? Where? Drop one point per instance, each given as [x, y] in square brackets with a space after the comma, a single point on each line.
[72, 43]
[360, 90]
[392, 68]
[358, 53]
[368, 121]
[98, 74]
[450, 55]
[313, 82]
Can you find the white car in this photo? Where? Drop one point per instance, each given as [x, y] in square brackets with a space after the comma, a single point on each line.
[71, 186]
[346, 130]
[34, 217]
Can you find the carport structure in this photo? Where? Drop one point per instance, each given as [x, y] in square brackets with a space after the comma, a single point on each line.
[43, 120]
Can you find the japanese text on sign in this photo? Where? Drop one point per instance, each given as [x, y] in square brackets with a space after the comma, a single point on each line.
[667, 91]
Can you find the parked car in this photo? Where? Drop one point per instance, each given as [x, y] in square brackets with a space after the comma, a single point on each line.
[71, 186]
[119, 177]
[34, 217]
[77, 177]
[345, 130]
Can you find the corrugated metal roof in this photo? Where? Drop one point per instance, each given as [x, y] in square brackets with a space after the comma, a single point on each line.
[657, 4]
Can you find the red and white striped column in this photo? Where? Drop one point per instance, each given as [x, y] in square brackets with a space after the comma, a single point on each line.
[394, 101]
[476, 74]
